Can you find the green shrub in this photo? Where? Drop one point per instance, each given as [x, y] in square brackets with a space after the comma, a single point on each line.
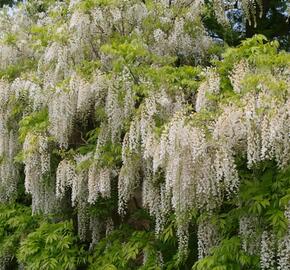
[16, 222]
[51, 246]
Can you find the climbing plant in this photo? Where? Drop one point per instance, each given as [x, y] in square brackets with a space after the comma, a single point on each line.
[144, 135]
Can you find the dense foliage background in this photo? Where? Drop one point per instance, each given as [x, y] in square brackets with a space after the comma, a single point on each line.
[145, 134]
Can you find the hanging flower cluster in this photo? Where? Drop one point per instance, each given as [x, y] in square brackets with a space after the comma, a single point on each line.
[37, 168]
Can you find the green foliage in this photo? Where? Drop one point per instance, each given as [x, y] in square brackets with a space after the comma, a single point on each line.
[271, 22]
[51, 246]
[9, 39]
[89, 4]
[109, 154]
[127, 54]
[41, 35]
[184, 79]
[16, 222]
[34, 6]
[261, 54]
[229, 255]
[126, 51]
[103, 207]
[35, 122]
[256, 50]
[36, 243]
[87, 68]
[225, 32]
[7, 2]
[123, 250]
[14, 70]
[264, 193]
